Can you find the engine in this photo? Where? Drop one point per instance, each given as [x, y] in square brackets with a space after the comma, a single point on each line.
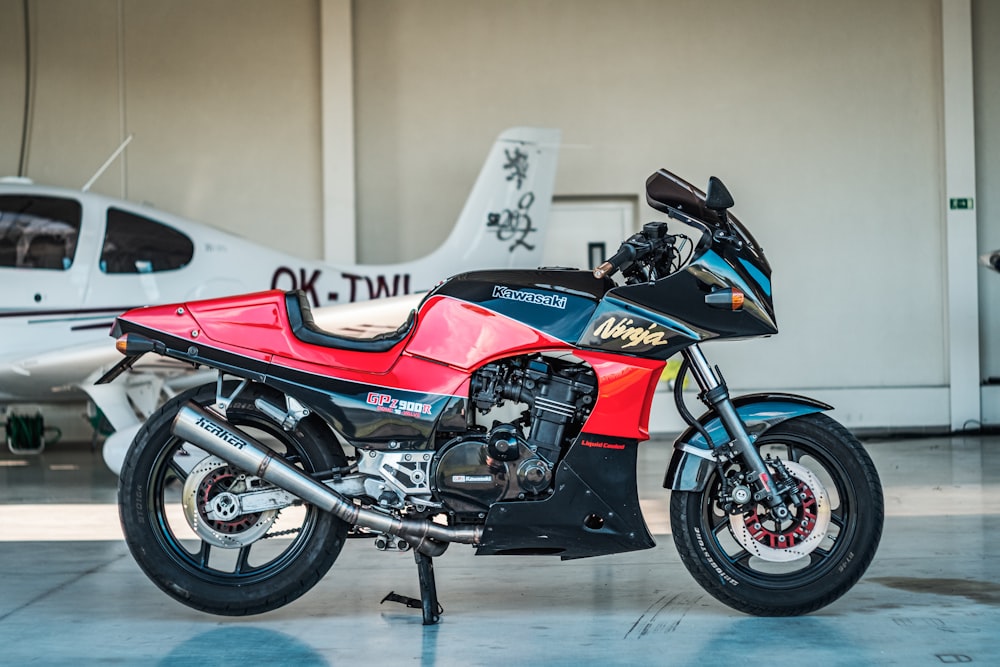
[515, 459]
[512, 460]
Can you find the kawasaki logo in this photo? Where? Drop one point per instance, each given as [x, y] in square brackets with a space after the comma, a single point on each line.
[472, 479]
[549, 300]
[622, 329]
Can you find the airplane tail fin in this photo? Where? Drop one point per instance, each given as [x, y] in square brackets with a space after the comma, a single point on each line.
[505, 218]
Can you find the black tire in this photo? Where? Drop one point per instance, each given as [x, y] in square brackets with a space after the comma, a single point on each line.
[253, 578]
[711, 551]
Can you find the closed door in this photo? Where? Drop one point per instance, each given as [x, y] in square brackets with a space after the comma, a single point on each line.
[584, 232]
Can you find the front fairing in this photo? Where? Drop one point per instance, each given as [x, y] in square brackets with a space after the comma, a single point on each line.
[679, 298]
[660, 317]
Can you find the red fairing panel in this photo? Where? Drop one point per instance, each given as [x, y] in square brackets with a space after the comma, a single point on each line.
[625, 387]
[467, 336]
[259, 323]
[179, 320]
[256, 325]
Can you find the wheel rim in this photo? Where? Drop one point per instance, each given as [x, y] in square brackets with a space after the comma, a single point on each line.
[258, 559]
[748, 553]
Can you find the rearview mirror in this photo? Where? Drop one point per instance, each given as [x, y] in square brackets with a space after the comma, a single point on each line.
[718, 198]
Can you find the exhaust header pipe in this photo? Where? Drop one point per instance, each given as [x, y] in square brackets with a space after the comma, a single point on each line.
[215, 435]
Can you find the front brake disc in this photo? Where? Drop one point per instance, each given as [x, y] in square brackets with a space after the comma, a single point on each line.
[782, 541]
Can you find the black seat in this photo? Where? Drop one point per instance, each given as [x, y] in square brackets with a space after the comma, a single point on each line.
[304, 328]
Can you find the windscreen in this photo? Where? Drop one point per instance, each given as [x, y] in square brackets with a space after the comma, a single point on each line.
[666, 191]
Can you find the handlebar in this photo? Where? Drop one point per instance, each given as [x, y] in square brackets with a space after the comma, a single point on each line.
[638, 246]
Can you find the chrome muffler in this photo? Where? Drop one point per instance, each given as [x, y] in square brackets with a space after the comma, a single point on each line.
[215, 435]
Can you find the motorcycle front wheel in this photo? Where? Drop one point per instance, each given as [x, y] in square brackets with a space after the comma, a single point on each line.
[758, 564]
[232, 566]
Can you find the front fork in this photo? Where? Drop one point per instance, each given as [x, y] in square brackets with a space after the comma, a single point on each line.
[715, 395]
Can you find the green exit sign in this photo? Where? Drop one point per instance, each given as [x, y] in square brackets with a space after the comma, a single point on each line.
[960, 203]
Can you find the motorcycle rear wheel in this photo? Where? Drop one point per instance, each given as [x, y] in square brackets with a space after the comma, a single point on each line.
[270, 558]
[753, 571]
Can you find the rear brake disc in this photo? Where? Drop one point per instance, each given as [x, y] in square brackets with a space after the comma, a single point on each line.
[212, 506]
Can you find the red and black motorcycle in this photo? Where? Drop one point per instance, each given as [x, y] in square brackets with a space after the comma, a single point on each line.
[505, 413]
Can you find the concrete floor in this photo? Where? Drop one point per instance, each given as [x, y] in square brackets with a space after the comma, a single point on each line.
[71, 593]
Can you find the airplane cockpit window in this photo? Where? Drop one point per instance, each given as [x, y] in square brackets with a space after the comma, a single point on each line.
[38, 232]
[133, 244]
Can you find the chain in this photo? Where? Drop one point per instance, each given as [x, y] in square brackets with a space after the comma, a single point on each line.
[290, 531]
[279, 533]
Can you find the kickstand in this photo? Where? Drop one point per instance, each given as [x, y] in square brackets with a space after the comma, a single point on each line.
[428, 589]
[428, 601]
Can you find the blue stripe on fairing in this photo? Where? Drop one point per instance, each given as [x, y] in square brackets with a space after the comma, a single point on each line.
[755, 273]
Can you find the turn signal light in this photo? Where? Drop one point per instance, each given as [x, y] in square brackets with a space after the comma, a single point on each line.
[726, 299]
[132, 344]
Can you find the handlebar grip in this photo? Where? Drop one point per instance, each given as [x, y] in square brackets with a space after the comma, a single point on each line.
[626, 253]
[603, 270]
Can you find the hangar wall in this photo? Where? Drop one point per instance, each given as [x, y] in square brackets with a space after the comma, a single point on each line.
[825, 125]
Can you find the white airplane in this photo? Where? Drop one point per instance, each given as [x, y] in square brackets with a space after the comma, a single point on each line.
[71, 260]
